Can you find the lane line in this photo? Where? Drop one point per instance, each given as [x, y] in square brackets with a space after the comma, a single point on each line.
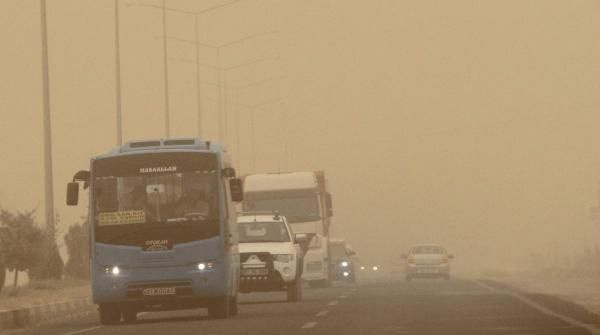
[322, 313]
[342, 297]
[333, 303]
[309, 325]
[83, 330]
[592, 329]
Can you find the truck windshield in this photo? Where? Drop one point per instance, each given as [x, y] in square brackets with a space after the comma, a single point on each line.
[338, 251]
[138, 194]
[253, 232]
[296, 207]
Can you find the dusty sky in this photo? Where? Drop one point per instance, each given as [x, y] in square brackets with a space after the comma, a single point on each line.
[470, 123]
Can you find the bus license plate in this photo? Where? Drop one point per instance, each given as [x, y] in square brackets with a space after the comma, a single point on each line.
[158, 291]
[255, 272]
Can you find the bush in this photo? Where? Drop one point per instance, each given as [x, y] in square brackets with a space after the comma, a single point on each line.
[77, 244]
[20, 241]
[49, 264]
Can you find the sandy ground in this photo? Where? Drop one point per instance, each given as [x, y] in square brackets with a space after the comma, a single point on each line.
[582, 290]
[43, 293]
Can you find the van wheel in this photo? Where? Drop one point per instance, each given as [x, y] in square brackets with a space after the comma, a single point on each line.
[219, 308]
[110, 314]
[294, 291]
[233, 306]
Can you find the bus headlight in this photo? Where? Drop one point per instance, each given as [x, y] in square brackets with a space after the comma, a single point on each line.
[283, 258]
[205, 266]
[114, 270]
[344, 264]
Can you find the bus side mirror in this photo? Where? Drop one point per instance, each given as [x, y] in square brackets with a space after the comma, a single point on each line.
[237, 189]
[303, 240]
[72, 194]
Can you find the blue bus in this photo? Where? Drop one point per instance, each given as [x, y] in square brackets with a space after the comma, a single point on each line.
[163, 232]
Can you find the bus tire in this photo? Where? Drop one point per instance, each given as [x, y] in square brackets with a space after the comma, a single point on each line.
[110, 314]
[233, 306]
[129, 314]
[294, 291]
[219, 308]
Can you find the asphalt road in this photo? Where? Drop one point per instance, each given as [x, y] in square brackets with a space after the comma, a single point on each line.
[389, 306]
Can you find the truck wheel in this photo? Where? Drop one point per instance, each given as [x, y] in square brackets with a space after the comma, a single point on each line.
[109, 314]
[219, 308]
[294, 291]
[233, 306]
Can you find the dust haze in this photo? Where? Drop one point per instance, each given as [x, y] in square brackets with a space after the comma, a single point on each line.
[470, 124]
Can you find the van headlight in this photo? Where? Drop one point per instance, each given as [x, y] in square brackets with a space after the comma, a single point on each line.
[112, 270]
[286, 258]
[203, 266]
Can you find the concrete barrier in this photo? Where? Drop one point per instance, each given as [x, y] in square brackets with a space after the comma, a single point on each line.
[29, 316]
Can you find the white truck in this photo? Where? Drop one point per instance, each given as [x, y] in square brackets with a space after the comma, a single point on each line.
[303, 198]
[270, 255]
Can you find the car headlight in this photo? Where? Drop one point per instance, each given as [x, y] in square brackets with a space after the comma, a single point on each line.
[202, 266]
[114, 270]
[344, 264]
[283, 258]
[375, 268]
[346, 273]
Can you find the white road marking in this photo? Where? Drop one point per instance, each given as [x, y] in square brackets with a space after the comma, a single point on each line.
[592, 329]
[309, 325]
[322, 313]
[342, 297]
[332, 303]
[83, 330]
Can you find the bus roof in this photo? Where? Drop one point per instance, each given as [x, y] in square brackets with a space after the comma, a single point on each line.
[158, 145]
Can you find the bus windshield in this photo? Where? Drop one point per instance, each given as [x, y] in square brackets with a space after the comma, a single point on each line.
[141, 193]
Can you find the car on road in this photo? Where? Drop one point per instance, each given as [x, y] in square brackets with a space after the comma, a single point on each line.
[271, 256]
[427, 261]
[342, 260]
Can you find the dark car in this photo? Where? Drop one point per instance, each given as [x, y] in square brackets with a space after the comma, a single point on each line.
[341, 261]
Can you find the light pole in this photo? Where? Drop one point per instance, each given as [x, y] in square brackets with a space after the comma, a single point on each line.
[166, 70]
[165, 55]
[221, 72]
[118, 76]
[48, 174]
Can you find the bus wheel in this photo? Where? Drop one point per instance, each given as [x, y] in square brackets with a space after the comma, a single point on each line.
[233, 306]
[109, 314]
[129, 314]
[219, 308]
[294, 291]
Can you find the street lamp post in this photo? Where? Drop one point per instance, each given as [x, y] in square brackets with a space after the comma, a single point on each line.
[49, 186]
[166, 70]
[118, 76]
[165, 54]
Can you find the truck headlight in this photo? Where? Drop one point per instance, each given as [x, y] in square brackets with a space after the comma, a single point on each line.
[114, 270]
[283, 258]
[344, 264]
[202, 266]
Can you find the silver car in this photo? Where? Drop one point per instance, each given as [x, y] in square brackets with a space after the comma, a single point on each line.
[426, 261]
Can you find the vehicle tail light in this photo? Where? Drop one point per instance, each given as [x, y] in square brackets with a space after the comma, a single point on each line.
[445, 259]
[411, 260]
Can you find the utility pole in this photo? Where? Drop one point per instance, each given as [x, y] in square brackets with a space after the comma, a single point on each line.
[118, 76]
[48, 186]
[198, 77]
[166, 70]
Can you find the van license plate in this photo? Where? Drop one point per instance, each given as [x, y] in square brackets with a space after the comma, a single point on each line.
[157, 291]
